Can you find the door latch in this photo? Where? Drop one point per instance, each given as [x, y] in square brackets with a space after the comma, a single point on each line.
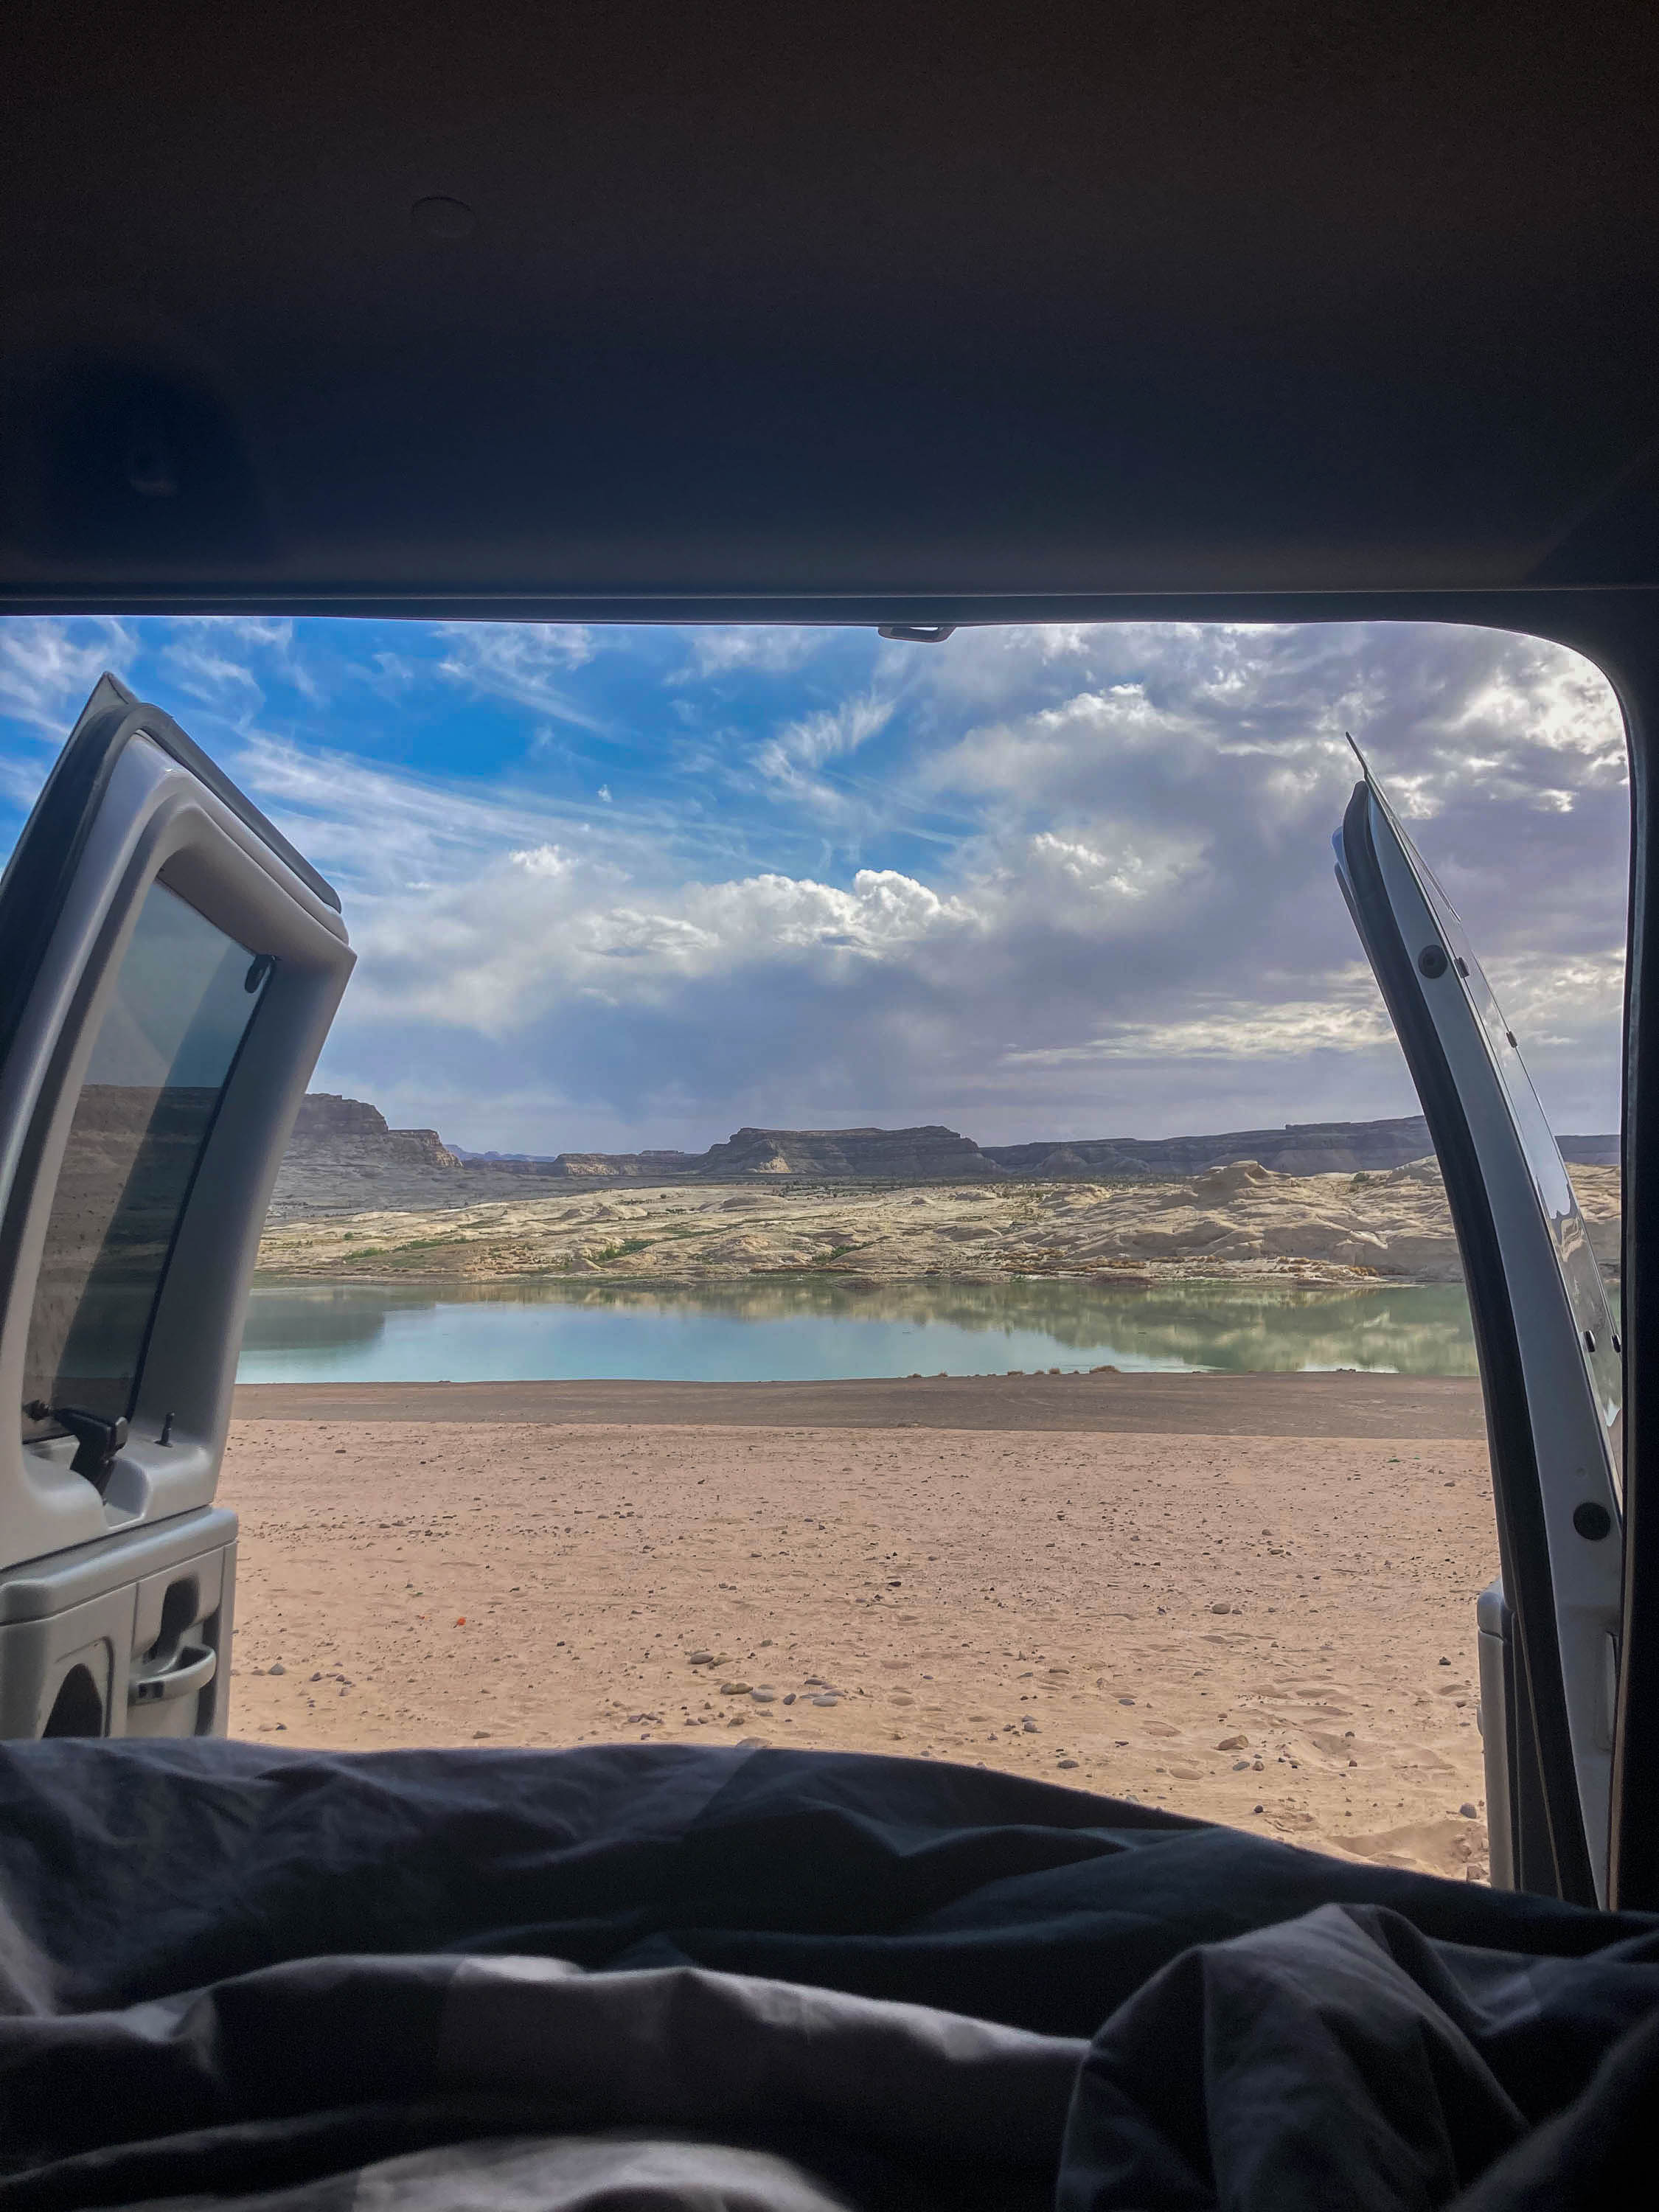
[98, 1441]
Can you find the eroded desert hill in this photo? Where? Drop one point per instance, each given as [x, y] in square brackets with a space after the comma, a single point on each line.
[1241, 1221]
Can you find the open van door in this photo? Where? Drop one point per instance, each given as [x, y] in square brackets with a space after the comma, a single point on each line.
[1548, 1346]
[169, 966]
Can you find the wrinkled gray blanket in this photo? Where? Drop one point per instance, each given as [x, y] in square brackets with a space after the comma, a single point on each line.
[181, 2022]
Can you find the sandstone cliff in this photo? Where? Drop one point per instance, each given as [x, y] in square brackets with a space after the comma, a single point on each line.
[344, 1159]
[343, 1156]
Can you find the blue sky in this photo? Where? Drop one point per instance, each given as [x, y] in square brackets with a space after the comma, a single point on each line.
[628, 886]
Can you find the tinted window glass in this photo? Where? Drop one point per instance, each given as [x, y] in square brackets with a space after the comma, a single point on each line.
[184, 998]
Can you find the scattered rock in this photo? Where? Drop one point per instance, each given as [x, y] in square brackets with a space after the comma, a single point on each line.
[735, 1689]
[699, 1658]
[1125, 1701]
[1234, 1743]
[1470, 1812]
[1222, 1608]
[1445, 1662]
[764, 1697]
[1066, 1763]
[277, 1668]
[830, 1697]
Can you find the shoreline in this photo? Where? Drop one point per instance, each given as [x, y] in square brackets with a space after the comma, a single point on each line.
[1281, 1275]
[1352, 1403]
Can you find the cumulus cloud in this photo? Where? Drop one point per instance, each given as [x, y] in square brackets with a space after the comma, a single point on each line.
[1136, 928]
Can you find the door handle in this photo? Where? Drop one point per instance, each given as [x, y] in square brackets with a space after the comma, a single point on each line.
[192, 1670]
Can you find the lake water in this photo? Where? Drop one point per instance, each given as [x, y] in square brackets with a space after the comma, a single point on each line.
[814, 1331]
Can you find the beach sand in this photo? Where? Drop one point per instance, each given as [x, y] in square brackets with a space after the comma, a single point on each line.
[1276, 1629]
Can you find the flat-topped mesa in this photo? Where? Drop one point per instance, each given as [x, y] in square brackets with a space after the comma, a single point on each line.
[882, 1155]
[332, 1128]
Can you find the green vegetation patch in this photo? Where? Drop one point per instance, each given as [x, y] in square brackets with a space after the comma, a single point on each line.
[602, 1255]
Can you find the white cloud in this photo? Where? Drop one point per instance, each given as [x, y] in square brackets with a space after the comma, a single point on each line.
[762, 648]
[793, 759]
[48, 667]
[520, 662]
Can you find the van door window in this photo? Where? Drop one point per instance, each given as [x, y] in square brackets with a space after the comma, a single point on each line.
[184, 996]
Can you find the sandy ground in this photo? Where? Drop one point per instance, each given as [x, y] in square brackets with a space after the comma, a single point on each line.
[1240, 1222]
[1274, 1631]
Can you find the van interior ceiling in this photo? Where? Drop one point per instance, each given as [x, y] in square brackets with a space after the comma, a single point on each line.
[1109, 313]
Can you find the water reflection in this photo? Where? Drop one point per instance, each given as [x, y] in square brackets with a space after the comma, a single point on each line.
[813, 1329]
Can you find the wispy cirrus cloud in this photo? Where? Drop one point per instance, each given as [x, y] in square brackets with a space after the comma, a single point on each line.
[48, 665]
[763, 648]
[526, 664]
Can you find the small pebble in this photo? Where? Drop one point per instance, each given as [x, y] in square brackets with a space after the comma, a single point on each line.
[1066, 1763]
[1223, 1608]
[734, 1689]
[699, 1658]
[790, 1699]
[1445, 1662]
[762, 1697]
[830, 1698]
[1470, 1812]
[1234, 1743]
[277, 1668]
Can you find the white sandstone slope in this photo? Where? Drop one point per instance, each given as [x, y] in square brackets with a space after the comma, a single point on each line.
[1236, 1222]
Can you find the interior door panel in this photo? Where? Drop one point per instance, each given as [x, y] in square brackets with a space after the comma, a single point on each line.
[1548, 1345]
[168, 969]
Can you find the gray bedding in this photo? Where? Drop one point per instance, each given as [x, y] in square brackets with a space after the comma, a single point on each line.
[642, 1978]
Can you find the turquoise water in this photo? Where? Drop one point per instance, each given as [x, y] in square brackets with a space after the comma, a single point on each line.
[815, 1331]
